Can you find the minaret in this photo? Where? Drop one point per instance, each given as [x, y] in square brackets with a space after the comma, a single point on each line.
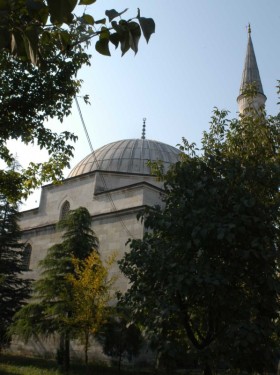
[250, 75]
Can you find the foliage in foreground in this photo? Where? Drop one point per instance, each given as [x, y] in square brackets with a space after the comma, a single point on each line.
[206, 274]
[43, 46]
[25, 27]
[120, 337]
[14, 290]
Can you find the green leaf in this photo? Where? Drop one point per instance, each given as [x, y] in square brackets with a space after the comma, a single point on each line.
[14, 43]
[38, 10]
[148, 27]
[31, 44]
[112, 13]
[4, 4]
[45, 37]
[115, 39]
[17, 45]
[125, 43]
[64, 38]
[134, 35]
[61, 10]
[102, 46]
[102, 21]
[119, 29]
[86, 2]
[105, 33]
[4, 39]
[88, 19]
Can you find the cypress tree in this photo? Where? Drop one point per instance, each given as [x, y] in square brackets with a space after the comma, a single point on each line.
[14, 289]
[52, 306]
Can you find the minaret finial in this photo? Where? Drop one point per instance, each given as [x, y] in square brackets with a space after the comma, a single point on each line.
[249, 28]
[144, 129]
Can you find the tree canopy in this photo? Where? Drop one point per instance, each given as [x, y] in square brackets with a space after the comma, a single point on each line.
[28, 97]
[207, 270]
[26, 26]
[43, 45]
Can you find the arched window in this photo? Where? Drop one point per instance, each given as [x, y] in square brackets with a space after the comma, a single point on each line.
[26, 255]
[64, 210]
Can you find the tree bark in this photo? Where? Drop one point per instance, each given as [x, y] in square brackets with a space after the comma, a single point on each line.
[207, 370]
[86, 347]
[66, 357]
[119, 363]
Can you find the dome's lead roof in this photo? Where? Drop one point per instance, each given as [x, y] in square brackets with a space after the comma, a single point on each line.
[129, 156]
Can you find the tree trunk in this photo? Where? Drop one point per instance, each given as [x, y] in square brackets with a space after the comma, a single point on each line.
[120, 363]
[66, 357]
[86, 347]
[207, 370]
[63, 354]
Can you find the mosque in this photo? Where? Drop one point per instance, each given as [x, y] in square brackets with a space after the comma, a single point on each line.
[114, 183]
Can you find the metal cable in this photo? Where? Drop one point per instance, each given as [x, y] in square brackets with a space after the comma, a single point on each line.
[98, 167]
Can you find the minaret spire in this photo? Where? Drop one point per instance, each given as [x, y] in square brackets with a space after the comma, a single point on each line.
[250, 75]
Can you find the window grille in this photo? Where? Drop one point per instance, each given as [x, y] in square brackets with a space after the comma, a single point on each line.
[26, 256]
[64, 209]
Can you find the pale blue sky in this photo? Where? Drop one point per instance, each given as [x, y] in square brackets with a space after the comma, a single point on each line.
[193, 62]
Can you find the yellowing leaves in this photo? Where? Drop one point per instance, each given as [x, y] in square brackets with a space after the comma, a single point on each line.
[90, 285]
[91, 291]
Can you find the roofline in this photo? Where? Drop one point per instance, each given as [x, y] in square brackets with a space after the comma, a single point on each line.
[106, 214]
[131, 186]
[83, 175]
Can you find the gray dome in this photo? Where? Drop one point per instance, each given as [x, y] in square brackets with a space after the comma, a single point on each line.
[128, 156]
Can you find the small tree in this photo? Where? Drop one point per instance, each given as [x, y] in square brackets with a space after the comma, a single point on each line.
[53, 291]
[120, 337]
[14, 290]
[91, 291]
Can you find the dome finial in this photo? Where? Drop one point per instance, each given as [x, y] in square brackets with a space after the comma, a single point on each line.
[144, 128]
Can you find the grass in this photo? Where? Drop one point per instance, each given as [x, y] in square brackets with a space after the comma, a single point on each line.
[16, 365]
